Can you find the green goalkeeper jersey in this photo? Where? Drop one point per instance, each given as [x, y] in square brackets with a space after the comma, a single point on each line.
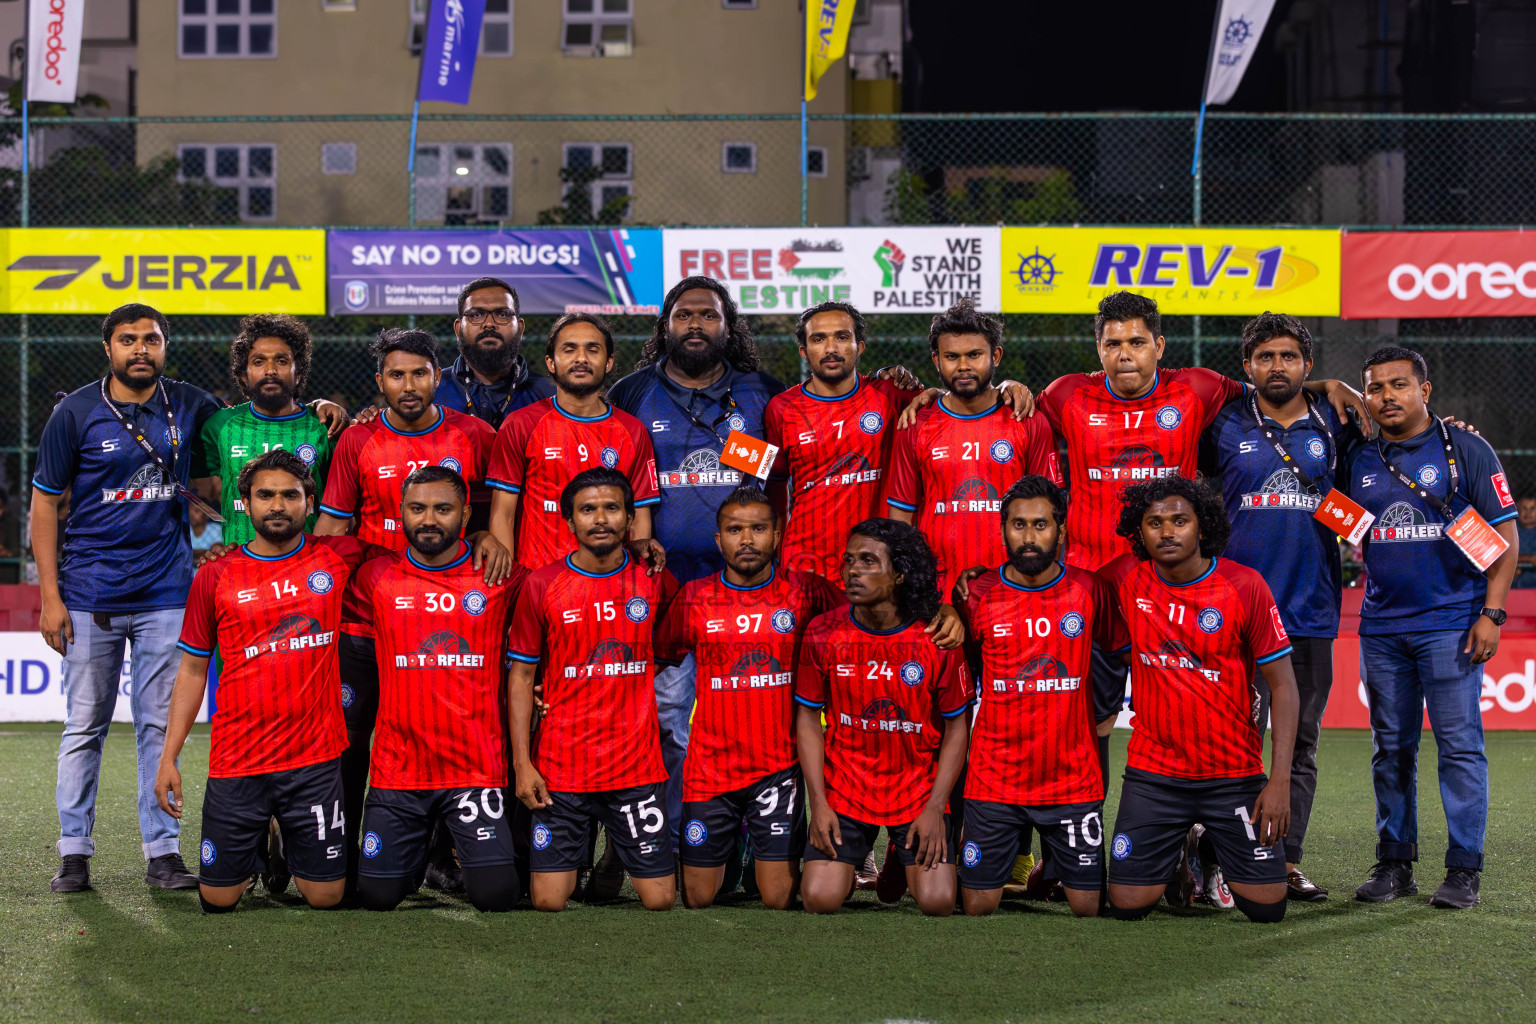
[232, 437]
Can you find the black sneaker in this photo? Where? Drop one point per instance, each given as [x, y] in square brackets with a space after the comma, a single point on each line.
[607, 876]
[445, 876]
[74, 874]
[1183, 885]
[170, 872]
[1459, 891]
[1389, 880]
[275, 876]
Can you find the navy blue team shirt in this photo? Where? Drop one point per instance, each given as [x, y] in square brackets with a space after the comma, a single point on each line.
[461, 391]
[1416, 577]
[688, 429]
[1273, 531]
[127, 546]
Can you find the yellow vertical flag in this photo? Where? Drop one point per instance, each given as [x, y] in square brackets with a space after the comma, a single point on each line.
[826, 38]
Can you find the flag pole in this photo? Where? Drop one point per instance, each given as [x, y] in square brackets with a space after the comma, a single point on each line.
[410, 164]
[805, 156]
[1194, 169]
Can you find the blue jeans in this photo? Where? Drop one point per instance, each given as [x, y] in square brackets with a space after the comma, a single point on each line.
[674, 707]
[1405, 674]
[93, 666]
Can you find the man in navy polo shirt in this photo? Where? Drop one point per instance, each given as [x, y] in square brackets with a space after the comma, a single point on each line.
[121, 448]
[1270, 503]
[1429, 622]
[490, 379]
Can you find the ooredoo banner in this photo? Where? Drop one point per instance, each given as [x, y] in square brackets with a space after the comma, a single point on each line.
[879, 270]
[1509, 686]
[1392, 274]
[32, 685]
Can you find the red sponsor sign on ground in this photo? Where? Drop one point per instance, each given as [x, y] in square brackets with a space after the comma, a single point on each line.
[1392, 274]
[1509, 686]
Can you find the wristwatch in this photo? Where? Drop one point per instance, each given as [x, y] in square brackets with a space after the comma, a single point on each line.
[1498, 615]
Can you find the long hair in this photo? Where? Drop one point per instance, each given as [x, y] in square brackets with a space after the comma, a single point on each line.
[740, 346]
[1209, 512]
[917, 595]
[290, 330]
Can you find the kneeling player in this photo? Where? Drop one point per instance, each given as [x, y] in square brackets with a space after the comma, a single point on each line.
[439, 752]
[1034, 753]
[272, 606]
[896, 730]
[589, 618]
[1197, 624]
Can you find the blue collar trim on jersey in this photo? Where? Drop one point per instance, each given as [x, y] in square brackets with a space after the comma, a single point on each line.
[597, 575]
[858, 382]
[555, 401]
[877, 632]
[1117, 398]
[1032, 590]
[277, 419]
[1192, 582]
[971, 416]
[441, 568]
[772, 573]
[303, 540]
[384, 419]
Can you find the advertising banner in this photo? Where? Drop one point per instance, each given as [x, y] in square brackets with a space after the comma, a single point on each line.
[1216, 271]
[1509, 686]
[32, 687]
[879, 270]
[225, 271]
[53, 49]
[611, 271]
[1391, 274]
[448, 54]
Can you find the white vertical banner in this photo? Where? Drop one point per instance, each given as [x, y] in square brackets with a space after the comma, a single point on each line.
[1239, 25]
[53, 49]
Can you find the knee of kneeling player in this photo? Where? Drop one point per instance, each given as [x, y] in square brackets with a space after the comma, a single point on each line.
[321, 896]
[492, 890]
[382, 893]
[216, 908]
[1260, 913]
[1130, 913]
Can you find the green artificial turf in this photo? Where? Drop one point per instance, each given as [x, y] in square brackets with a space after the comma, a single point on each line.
[128, 952]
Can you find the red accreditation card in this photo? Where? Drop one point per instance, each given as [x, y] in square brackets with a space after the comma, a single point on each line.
[748, 454]
[1343, 516]
[1480, 542]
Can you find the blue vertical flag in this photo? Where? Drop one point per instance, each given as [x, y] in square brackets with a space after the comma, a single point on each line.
[448, 54]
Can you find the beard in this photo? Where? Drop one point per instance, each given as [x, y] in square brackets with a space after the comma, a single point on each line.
[579, 389]
[1028, 563]
[1279, 392]
[431, 541]
[136, 376]
[278, 530]
[490, 360]
[270, 401]
[695, 363]
[967, 391]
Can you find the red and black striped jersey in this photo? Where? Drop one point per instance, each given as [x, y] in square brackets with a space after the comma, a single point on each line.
[274, 621]
[440, 643]
[1193, 648]
[886, 697]
[745, 642]
[593, 634]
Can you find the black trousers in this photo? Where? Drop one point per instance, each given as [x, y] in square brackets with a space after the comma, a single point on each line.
[360, 707]
[1312, 661]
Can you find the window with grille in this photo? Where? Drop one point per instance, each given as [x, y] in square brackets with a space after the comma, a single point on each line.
[495, 28]
[213, 29]
[464, 182]
[597, 28]
[248, 168]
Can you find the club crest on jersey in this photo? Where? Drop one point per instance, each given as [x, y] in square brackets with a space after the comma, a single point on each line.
[208, 851]
[610, 457]
[1072, 625]
[474, 602]
[1169, 417]
[1429, 475]
[1002, 451]
[695, 833]
[451, 463]
[306, 452]
[871, 422]
[737, 421]
[911, 673]
[320, 582]
[783, 621]
[972, 855]
[1122, 846]
[637, 609]
[1316, 448]
[346, 695]
[1209, 620]
[372, 844]
[541, 837]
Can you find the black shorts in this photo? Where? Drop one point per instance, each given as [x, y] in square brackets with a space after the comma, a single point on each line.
[307, 804]
[397, 826]
[774, 813]
[859, 839]
[1072, 836]
[1156, 813]
[635, 820]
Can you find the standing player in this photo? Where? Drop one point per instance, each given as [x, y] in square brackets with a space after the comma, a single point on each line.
[269, 363]
[541, 447]
[1034, 757]
[966, 450]
[896, 730]
[596, 757]
[744, 626]
[490, 380]
[441, 755]
[271, 607]
[1197, 624]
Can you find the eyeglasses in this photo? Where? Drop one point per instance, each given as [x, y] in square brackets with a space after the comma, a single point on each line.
[479, 316]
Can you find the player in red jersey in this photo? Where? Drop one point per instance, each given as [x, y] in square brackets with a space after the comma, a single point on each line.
[896, 731]
[542, 446]
[963, 452]
[440, 757]
[744, 626]
[272, 607]
[1034, 753]
[589, 619]
[1197, 625]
